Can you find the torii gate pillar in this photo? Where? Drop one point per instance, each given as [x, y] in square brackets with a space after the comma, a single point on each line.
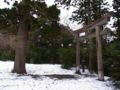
[99, 54]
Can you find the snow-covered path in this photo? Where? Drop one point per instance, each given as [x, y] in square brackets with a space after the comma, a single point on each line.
[10, 81]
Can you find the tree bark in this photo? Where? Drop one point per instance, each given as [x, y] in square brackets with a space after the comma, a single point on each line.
[20, 52]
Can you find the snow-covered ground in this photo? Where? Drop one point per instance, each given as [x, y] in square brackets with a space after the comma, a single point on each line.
[49, 77]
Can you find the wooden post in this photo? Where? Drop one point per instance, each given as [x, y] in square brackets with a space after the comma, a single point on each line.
[99, 54]
[77, 54]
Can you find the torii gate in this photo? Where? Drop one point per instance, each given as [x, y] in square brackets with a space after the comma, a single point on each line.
[98, 33]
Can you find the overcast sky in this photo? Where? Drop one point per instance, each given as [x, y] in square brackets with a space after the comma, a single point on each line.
[65, 14]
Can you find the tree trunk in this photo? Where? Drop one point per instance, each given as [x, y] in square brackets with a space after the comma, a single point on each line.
[20, 52]
[77, 54]
[91, 51]
[118, 28]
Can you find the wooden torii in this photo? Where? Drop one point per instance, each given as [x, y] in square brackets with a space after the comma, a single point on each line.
[98, 33]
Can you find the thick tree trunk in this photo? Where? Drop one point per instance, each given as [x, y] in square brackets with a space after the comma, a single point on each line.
[91, 55]
[20, 52]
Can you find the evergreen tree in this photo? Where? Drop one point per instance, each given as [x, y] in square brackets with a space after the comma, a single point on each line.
[66, 36]
[116, 7]
[112, 50]
[49, 40]
[111, 60]
[84, 8]
[19, 18]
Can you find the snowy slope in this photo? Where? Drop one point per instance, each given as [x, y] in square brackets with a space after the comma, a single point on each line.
[38, 77]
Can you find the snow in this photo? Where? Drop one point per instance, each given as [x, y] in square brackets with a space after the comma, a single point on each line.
[43, 77]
